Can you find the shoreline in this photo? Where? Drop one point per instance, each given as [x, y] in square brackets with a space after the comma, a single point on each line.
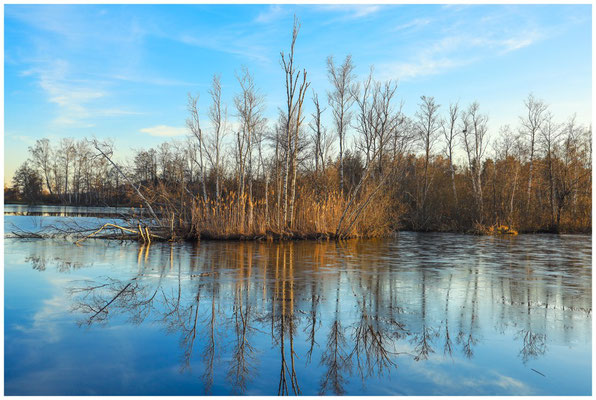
[269, 238]
[131, 231]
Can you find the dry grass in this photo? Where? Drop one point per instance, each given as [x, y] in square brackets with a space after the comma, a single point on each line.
[235, 217]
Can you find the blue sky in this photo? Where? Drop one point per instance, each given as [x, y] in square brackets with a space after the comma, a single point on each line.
[124, 71]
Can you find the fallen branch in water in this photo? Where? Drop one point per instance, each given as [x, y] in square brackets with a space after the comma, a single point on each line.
[141, 233]
[27, 235]
[105, 154]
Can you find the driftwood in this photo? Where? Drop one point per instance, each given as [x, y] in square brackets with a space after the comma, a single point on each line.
[141, 233]
[102, 228]
[144, 234]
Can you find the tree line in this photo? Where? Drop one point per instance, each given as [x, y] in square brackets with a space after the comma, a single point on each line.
[373, 169]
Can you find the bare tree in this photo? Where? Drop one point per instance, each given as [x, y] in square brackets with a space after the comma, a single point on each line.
[194, 125]
[509, 149]
[28, 182]
[376, 119]
[319, 135]
[217, 115]
[66, 156]
[475, 143]
[450, 133]
[571, 156]
[295, 93]
[42, 154]
[427, 129]
[249, 107]
[365, 101]
[550, 132]
[531, 124]
[341, 99]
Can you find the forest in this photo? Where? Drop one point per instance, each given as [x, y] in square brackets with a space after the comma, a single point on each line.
[357, 166]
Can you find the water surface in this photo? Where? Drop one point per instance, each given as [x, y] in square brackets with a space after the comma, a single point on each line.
[68, 211]
[420, 314]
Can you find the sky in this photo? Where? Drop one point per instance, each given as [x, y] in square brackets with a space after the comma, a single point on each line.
[124, 71]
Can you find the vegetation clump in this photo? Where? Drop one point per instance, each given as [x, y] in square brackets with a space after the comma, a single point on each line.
[496, 229]
[504, 230]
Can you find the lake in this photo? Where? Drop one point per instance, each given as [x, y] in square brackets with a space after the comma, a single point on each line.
[67, 211]
[418, 314]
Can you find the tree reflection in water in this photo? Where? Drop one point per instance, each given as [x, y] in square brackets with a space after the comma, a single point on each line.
[335, 358]
[329, 305]
[377, 330]
[467, 338]
[448, 346]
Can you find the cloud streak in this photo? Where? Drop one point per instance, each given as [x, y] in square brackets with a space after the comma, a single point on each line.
[273, 13]
[455, 51]
[414, 24]
[350, 11]
[73, 97]
[235, 44]
[164, 131]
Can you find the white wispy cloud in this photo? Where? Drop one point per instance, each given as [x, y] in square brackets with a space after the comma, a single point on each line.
[237, 44]
[78, 100]
[414, 24]
[452, 52]
[272, 13]
[164, 131]
[365, 10]
[148, 79]
[45, 323]
[79, 86]
[524, 40]
[72, 96]
[421, 67]
[434, 370]
[351, 11]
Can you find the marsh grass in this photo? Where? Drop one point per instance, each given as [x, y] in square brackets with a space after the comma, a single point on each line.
[316, 217]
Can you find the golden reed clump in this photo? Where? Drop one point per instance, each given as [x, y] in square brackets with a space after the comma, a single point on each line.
[314, 217]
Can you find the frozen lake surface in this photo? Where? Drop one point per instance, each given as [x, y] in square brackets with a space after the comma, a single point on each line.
[420, 314]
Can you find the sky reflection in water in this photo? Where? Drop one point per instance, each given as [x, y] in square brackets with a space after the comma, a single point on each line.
[423, 314]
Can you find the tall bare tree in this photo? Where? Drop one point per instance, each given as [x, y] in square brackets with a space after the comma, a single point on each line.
[194, 125]
[450, 133]
[427, 130]
[475, 143]
[531, 123]
[295, 92]
[218, 117]
[550, 132]
[341, 99]
[376, 119]
[66, 156]
[510, 150]
[42, 154]
[249, 107]
[319, 134]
